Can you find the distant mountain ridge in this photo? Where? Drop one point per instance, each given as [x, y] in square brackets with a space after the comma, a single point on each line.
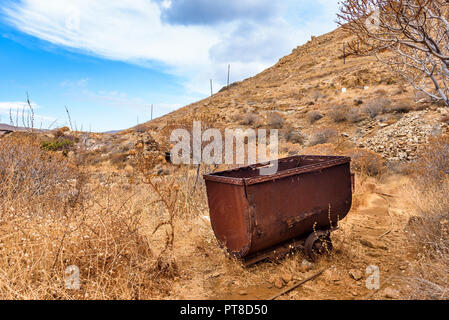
[9, 128]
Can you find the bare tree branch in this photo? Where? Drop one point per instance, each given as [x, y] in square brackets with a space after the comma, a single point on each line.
[413, 34]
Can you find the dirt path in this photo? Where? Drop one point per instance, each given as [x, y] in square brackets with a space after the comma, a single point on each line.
[371, 235]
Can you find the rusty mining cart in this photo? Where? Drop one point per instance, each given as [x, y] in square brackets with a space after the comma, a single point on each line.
[258, 217]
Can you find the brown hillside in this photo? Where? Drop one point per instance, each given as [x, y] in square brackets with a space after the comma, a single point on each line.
[309, 85]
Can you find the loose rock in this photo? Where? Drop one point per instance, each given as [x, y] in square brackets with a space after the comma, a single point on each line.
[286, 277]
[279, 283]
[391, 293]
[355, 274]
[400, 140]
[307, 264]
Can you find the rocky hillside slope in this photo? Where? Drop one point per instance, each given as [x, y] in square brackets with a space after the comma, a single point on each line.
[313, 96]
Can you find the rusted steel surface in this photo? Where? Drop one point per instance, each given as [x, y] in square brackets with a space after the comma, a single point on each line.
[252, 213]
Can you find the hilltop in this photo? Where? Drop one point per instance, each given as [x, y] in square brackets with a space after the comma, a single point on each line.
[309, 91]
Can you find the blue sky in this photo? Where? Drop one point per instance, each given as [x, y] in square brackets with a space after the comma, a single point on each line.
[109, 60]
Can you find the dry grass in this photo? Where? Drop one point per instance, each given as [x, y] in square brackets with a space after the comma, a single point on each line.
[429, 229]
[429, 235]
[376, 107]
[367, 162]
[314, 116]
[354, 115]
[54, 216]
[323, 135]
[252, 119]
[275, 120]
[338, 113]
[401, 107]
[295, 136]
[433, 164]
[133, 236]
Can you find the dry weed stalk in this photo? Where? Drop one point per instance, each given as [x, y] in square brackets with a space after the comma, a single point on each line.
[413, 32]
[167, 193]
[53, 216]
[429, 229]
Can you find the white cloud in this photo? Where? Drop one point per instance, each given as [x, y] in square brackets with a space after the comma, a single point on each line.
[128, 30]
[20, 112]
[81, 83]
[166, 4]
[114, 98]
[17, 105]
[135, 31]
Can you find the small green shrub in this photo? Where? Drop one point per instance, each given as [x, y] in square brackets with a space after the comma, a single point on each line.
[57, 145]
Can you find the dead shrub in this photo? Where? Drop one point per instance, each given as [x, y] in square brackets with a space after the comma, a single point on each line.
[399, 167]
[141, 128]
[167, 192]
[118, 159]
[314, 116]
[251, 119]
[428, 230]
[26, 171]
[376, 107]
[433, 161]
[367, 162]
[57, 220]
[59, 132]
[316, 95]
[354, 115]
[275, 120]
[400, 107]
[338, 113]
[295, 136]
[322, 136]
[428, 233]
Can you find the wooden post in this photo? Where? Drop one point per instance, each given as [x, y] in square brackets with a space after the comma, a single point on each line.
[211, 89]
[229, 71]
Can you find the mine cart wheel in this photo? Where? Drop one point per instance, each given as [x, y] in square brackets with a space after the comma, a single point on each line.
[317, 244]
